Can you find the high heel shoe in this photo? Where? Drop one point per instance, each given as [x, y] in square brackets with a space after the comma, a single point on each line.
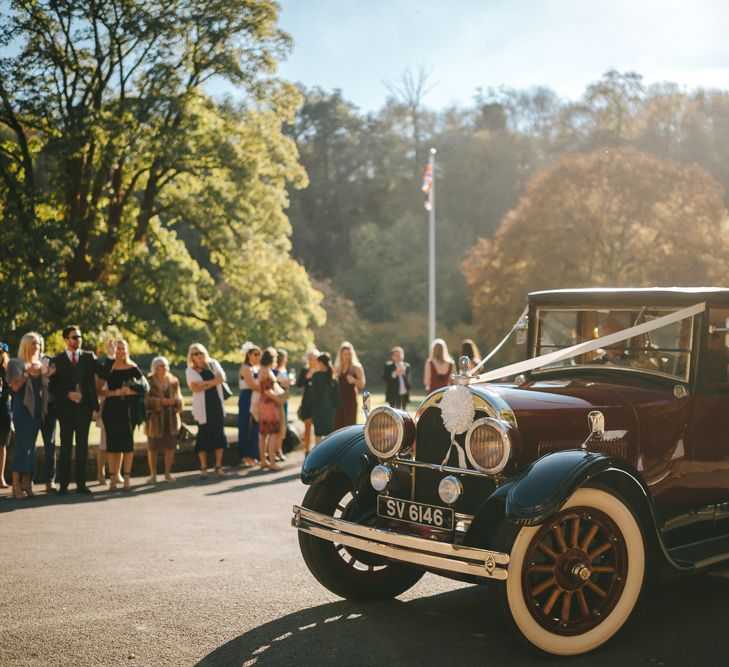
[18, 493]
[219, 472]
[127, 482]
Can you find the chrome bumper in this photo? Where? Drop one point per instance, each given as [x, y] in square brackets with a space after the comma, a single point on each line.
[406, 548]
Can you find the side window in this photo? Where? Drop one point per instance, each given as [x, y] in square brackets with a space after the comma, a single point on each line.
[716, 356]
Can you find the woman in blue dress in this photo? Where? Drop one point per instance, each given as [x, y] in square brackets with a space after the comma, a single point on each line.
[247, 423]
[28, 379]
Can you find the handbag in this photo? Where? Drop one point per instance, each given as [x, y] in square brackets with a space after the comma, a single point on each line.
[227, 393]
[183, 435]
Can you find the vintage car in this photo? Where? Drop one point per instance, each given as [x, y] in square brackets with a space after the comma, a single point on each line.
[563, 479]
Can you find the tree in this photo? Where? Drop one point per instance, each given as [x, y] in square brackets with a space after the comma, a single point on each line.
[124, 185]
[614, 218]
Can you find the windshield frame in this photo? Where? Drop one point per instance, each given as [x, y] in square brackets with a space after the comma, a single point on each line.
[535, 321]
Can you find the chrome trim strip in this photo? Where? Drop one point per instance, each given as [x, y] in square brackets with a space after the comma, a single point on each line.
[406, 548]
[438, 468]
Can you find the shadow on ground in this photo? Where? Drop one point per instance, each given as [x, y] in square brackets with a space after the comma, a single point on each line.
[464, 627]
[251, 477]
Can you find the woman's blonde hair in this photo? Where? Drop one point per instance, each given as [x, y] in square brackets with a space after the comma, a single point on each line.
[346, 345]
[197, 347]
[24, 347]
[439, 351]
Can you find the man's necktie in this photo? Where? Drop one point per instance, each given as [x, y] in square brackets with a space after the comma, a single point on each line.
[74, 360]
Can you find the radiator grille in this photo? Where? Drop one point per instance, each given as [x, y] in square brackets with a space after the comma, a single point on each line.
[431, 446]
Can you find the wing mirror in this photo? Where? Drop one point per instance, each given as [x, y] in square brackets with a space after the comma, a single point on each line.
[596, 422]
[366, 400]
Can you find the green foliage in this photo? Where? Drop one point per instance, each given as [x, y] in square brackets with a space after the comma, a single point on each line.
[129, 198]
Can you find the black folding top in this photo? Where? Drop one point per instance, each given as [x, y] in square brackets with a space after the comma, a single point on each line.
[647, 296]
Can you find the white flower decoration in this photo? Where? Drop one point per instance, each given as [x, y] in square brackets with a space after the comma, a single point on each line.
[457, 409]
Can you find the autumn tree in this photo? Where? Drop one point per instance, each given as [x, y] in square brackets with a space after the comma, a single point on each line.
[611, 218]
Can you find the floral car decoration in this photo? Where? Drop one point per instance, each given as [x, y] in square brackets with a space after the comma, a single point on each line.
[559, 479]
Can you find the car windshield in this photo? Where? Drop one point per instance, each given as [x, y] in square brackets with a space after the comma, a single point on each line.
[664, 351]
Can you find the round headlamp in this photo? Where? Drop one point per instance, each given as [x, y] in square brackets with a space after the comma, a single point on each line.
[388, 431]
[488, 445]
[450, 489]
[380, 477]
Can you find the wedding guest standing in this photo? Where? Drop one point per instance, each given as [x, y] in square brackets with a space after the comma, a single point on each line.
[28, 379]
[123, 412]
[269, 410]
[284, 379]
[5, 419]
[323, 397]
[303, 382]
[470, 349]
[74, 391]
[438, 366]
[396, 375]
[206, 377]
[48, 433]
[247, 424]
[351, 377]
[164, 406]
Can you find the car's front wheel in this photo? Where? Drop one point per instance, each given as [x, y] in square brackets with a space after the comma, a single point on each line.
[347, 572]
[574, 581]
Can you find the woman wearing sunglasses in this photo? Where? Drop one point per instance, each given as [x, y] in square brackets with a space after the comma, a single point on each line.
[206, 378]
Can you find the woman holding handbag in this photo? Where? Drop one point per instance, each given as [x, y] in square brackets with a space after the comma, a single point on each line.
[273, 396]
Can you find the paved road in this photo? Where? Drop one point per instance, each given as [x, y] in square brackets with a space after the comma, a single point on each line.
[209, 573]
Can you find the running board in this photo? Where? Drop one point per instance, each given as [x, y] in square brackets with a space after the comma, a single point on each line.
[702, 554]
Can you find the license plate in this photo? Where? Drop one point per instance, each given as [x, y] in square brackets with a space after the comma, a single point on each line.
[405, 510]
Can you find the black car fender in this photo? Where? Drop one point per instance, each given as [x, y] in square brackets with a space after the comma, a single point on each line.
[345, 452]
[541, 489]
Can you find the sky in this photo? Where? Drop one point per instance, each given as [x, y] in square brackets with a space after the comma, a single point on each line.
[358, 45]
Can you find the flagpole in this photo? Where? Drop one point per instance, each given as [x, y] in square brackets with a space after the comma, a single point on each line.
[431, 252]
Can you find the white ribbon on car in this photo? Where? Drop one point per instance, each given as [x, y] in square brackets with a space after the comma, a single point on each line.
[588, 346]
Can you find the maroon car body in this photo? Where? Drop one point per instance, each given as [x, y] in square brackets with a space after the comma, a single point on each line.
[573, 478]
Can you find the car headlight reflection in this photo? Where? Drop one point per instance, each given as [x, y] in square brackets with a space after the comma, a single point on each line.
[488, 445]
[388, 431]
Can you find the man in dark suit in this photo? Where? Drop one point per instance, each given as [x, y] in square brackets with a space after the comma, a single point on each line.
[74, 391]
[397, 376]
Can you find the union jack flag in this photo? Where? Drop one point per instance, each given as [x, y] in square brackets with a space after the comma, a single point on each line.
[427, 187]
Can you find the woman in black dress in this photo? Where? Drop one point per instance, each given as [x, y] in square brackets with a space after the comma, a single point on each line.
[123, 391]
[206, 377]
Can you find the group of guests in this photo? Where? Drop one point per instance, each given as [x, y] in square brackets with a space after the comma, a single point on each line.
[329, 399]
[74, 387]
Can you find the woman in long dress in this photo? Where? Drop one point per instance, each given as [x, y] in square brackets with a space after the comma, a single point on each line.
[164, 405]
[28, 379]
[205, 377]
[323, 397]
[247, 424]
[438, 366]
[123, 394]
[351, 377]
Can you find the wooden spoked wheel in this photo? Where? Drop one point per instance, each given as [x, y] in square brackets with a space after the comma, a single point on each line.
[575, 570]
[574, 580]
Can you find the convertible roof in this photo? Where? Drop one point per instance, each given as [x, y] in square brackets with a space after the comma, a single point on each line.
[632, 296]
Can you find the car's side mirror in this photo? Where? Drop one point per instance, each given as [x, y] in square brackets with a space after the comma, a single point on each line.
[521, 328]
[366, 398]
